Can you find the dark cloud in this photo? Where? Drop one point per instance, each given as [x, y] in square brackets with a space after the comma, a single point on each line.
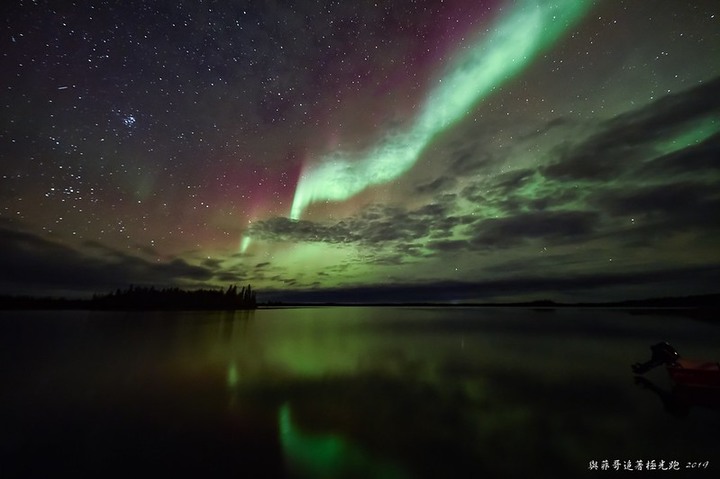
[545, 225]
[444, 226]
[448, 245]
[230, 277]
[396, 234]
[470, 161]
[386, 260]
[448, 199]
[410, 249]
[285, 229]
[664, 117]
[515, 192]
[438, 185]
[689, 198]
[591, 161]
[32, 263]
[553, 199]
[630, 137]
[552, 124]
[658, 211]
[475, 193]
[212, 263]
[148, 251]
[375, 226]
[548, 263]
[431, 211]
[703, 158]
[394, 228]
[280, 279]
[512, 180]
[703, 278]
[388, 235]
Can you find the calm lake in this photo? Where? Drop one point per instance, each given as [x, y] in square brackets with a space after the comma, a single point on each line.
[349, 392]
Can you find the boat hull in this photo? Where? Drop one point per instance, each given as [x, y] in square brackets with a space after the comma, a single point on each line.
[695, 373]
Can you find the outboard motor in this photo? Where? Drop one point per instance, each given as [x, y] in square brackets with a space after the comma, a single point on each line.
[662, 353]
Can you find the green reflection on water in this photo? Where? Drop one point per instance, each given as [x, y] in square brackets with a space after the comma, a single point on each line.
[355, 392]
[443, 392]
[232, 376]
[328, 455]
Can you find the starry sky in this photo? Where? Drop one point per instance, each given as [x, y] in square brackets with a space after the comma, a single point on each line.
[325, 150]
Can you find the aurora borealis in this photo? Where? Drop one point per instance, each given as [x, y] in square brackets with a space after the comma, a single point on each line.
[514, 41]
[362, 151]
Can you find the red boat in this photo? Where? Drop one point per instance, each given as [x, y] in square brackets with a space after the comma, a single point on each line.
[692, 372]
[686, 372]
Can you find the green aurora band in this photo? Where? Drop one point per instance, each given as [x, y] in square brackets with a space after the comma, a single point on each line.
[517, 38]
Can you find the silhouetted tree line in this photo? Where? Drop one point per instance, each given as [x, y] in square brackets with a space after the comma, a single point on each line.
[176, 299]
[145, 298]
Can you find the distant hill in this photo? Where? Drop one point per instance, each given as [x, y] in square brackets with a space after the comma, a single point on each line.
[144, 298]
[705, 301]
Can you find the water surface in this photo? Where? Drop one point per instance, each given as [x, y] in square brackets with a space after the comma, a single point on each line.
[347, 392]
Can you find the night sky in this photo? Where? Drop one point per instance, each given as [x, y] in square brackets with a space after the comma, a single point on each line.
[456, 150]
